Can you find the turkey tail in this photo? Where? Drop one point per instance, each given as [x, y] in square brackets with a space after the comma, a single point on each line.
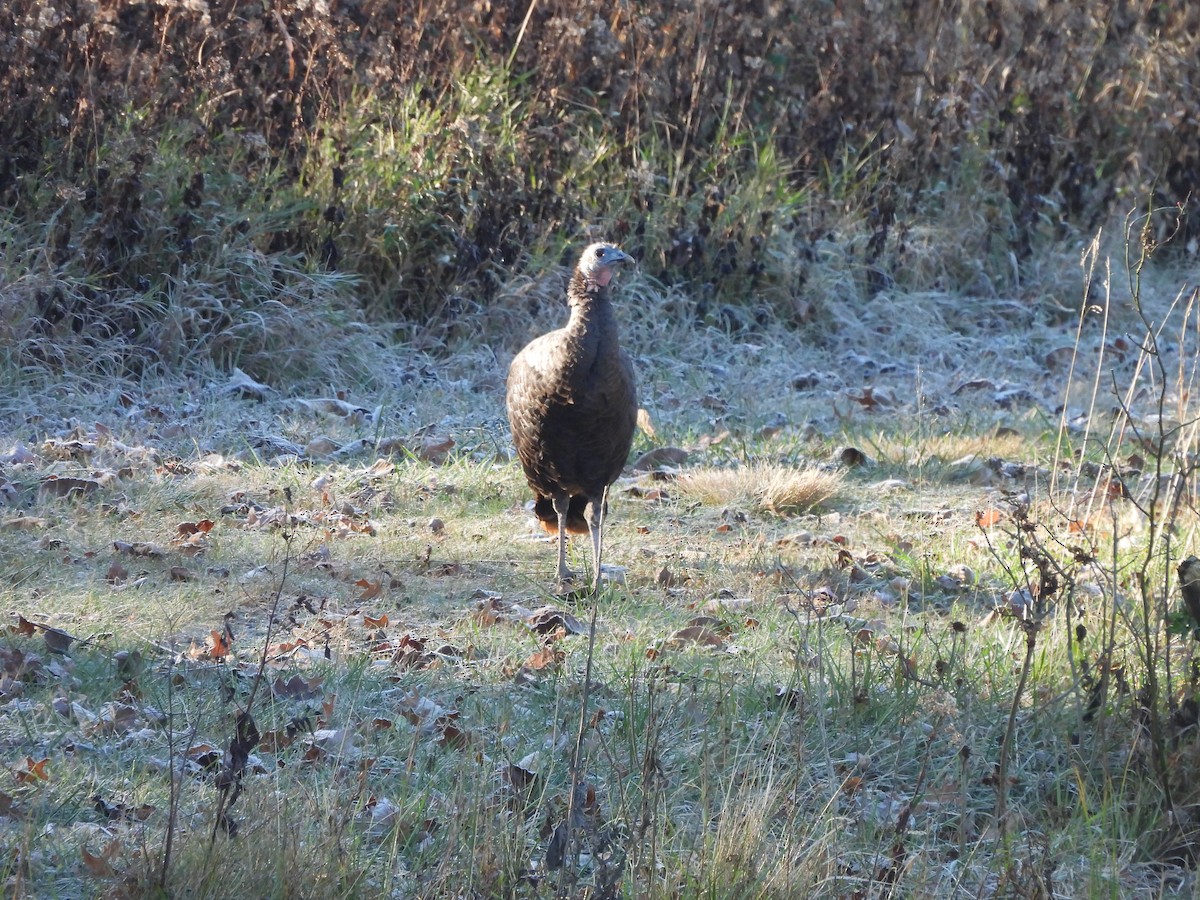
[543, 508]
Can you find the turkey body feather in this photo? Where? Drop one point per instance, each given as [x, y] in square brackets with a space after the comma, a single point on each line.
[572, 407]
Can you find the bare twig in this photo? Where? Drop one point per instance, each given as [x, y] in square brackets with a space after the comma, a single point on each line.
[246, 735]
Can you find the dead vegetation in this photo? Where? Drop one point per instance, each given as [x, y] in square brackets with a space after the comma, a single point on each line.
[198, 175]
[833, 693]
[776, 489]
[896, 604]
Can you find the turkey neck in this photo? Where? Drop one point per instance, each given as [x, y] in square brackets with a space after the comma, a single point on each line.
[592, 328]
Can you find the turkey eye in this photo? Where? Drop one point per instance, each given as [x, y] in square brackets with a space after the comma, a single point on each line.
[599, 251]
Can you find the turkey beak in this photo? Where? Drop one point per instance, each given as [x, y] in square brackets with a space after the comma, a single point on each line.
[619, 259]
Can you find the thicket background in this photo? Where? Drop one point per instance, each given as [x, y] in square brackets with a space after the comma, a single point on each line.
[158, 156]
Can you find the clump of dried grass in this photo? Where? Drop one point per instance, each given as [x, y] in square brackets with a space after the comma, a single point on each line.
[773, 488]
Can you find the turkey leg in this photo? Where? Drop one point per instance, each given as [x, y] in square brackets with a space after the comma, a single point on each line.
[562, 503]
[595, 520]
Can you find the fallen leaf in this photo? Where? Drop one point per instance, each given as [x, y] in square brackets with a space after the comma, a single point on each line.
[852, 457]
[435, 450]
[523, 781]
[236, 758]
[66, 486]
[490, 611]
[57, 641]
[409, 653]
[872, 398]
[975, 384]
[283, 648]
[114, 718]
[361, 527]
[16, 663]
[129, 664]
[242, 386]
[204, 755]
[334, 408]
[556, 847]
[454, 736]
[75, 712]
[298, 688]
[370, 589]
[121, 812]
[381, 466]
[986, 518]
[276, 741]
[139, 548]
[789, 697]
[714, 440]
[548, 619]
[33, 771]
[23, 523]
[7, 810]
[546, 658]
[186, 529]
[699, 635]
[712, 622]
[421, 711]
[18, 455]
[645, 424]
[435, 720]
[101, 866]
[218, 648]
[1060, 357]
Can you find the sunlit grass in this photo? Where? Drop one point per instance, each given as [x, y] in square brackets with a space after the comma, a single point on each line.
[776, 489]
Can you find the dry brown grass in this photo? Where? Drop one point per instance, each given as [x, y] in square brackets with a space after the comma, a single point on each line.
[764, 487]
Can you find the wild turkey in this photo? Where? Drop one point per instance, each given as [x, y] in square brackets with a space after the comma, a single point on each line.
[572, 406]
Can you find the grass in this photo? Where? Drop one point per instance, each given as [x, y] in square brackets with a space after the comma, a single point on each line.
[813, 698]
[905, 621]
[765, 488]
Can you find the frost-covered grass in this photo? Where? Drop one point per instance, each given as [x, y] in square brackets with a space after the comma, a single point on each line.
[826, 695]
